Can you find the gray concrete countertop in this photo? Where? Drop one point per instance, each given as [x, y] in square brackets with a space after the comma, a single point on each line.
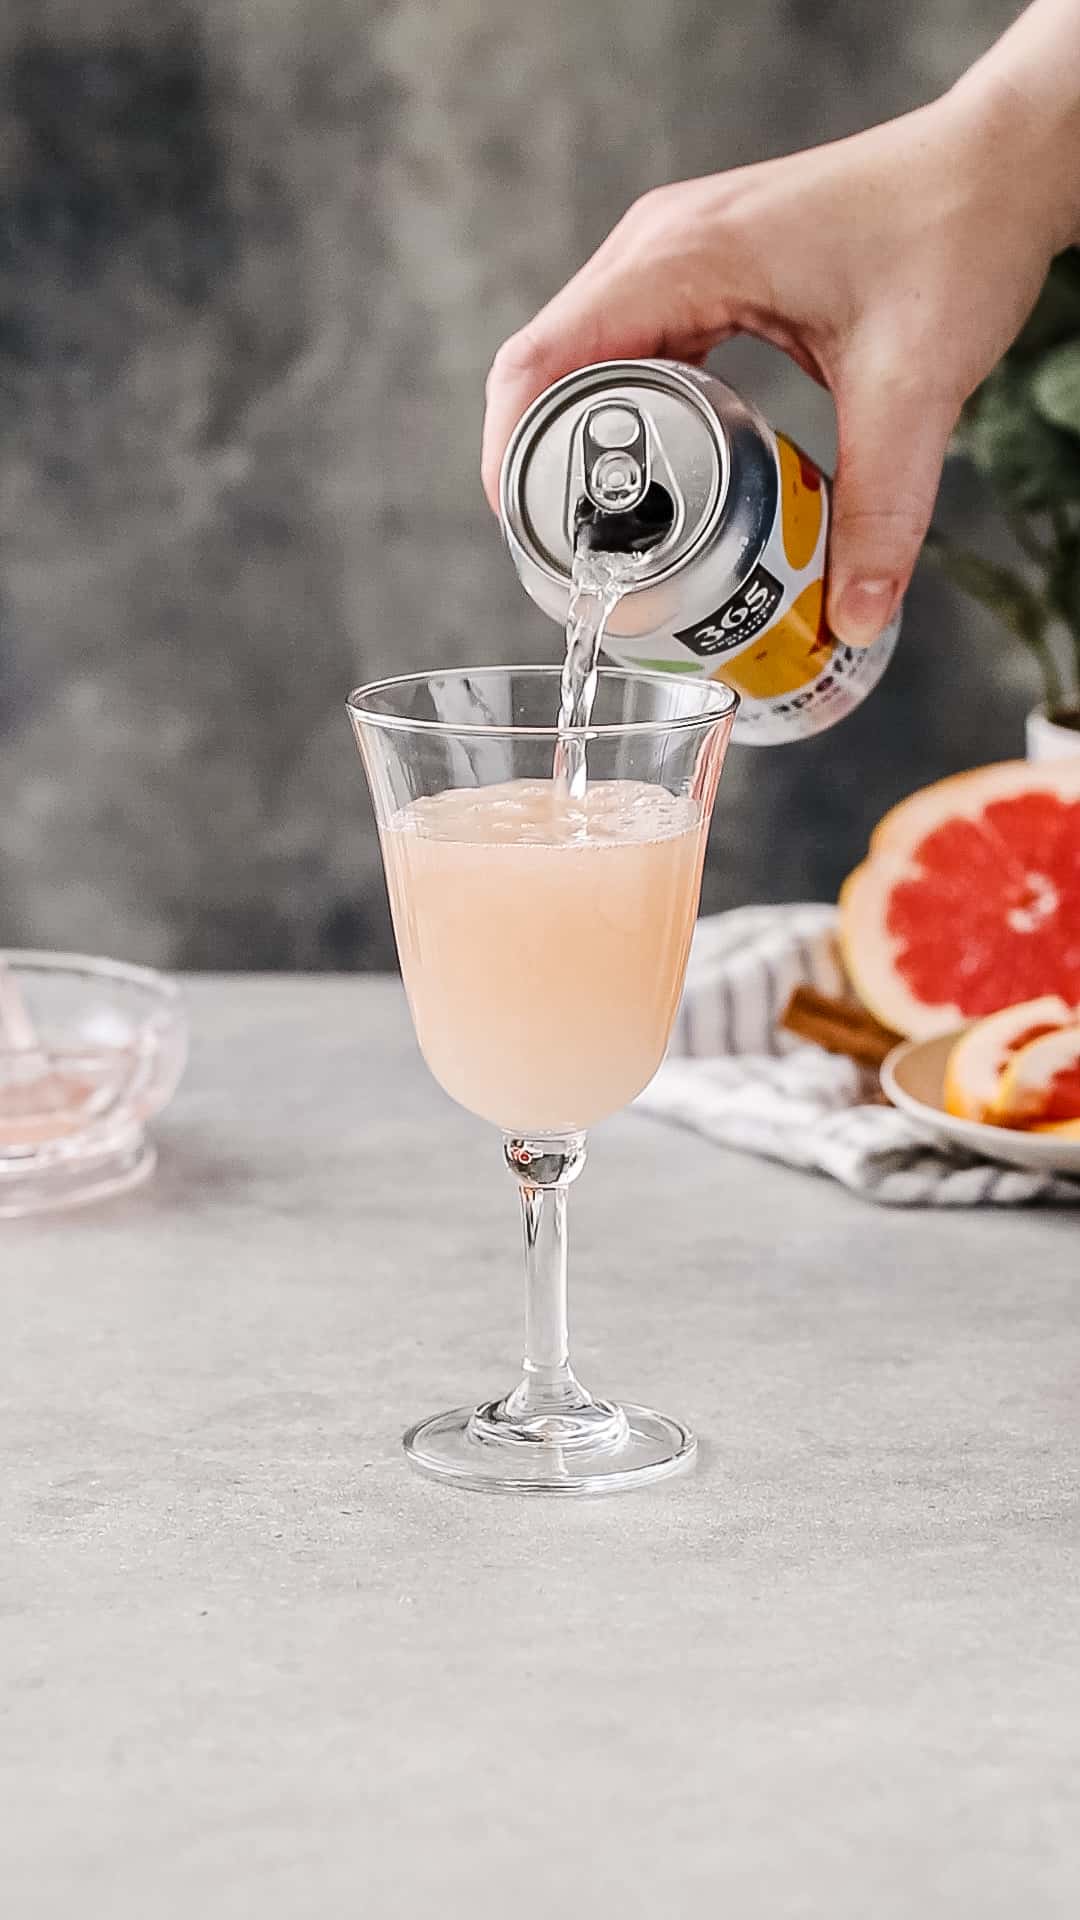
[255, 1667]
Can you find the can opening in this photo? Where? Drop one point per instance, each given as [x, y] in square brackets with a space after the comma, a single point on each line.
[635, 531]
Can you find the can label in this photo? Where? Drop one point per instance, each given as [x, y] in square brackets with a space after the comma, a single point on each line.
[796, 646]
[770, 639]
[734, 625]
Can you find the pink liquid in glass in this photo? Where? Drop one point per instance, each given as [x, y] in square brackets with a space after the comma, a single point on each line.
[543, 941]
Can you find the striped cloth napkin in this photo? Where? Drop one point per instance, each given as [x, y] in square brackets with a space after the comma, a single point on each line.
[733, 1076]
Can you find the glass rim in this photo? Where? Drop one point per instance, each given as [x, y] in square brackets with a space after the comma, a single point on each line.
[725, 704]
[94, 966]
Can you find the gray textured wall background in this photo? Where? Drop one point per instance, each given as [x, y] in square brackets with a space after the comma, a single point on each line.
[255, 256]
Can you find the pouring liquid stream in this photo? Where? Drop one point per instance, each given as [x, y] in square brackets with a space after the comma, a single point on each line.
[598, 582]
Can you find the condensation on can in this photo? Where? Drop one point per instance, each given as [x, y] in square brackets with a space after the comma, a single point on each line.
[736, 589]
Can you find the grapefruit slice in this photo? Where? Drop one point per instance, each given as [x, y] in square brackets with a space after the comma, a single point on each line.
[1040, 1085]
[969, 899]
[977, 1061]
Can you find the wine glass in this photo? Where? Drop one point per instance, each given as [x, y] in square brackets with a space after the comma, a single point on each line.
[543, 942]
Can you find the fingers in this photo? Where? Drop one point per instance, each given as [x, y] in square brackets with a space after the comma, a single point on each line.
[569, 333]
[527, 363]
[637, 296]
[893, 439]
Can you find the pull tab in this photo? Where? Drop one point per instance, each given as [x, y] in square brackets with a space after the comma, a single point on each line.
[615, 453]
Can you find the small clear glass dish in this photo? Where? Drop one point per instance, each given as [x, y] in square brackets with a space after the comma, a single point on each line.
[90, 1051]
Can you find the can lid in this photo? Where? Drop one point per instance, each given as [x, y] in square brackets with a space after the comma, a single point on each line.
[543, 476]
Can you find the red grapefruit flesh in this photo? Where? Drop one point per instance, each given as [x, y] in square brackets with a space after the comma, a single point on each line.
[1040, 1085]
[969, 900]
[978, 1059]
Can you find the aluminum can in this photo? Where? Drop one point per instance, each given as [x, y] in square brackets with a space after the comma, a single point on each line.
[729, 523]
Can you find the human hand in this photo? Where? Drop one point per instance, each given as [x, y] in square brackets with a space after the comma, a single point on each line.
[895, 267]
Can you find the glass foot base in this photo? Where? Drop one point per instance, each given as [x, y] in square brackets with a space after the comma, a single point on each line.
[635, 1446]
[26, 1187]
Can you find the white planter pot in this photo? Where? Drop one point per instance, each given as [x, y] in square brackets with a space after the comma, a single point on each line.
[1047, 741]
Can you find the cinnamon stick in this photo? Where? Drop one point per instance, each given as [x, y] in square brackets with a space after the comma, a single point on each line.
[840, 1026]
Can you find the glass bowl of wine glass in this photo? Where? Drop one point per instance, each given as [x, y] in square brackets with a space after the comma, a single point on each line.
[543, 882]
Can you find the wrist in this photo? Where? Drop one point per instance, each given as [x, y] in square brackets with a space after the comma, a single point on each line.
[1018, 129]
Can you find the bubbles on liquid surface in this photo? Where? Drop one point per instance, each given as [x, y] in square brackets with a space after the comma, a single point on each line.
[542, 813]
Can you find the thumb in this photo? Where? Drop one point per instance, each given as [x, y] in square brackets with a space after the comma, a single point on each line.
[893, 438]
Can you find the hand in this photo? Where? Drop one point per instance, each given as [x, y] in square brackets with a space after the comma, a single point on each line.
[895, 267]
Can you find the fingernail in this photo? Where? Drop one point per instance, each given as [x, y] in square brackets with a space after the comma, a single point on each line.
[862, 609]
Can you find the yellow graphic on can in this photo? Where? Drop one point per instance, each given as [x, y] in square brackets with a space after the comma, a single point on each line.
[801, 504]
[792, 674]
[789, 655]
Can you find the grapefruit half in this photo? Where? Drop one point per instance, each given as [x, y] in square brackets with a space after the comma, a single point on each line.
[969, 899]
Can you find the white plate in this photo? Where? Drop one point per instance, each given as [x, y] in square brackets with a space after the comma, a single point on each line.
[913, 1075]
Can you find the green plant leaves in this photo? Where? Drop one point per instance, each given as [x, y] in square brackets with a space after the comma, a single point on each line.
[1017, 605]
[1021, 428]
[1055, 387]
[1063, 582]
[998, 588]
[1022, 425]
[1063, 594]
[1031, 463]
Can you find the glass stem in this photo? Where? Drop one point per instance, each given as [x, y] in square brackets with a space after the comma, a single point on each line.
[545, 1170]
[549, 1408]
